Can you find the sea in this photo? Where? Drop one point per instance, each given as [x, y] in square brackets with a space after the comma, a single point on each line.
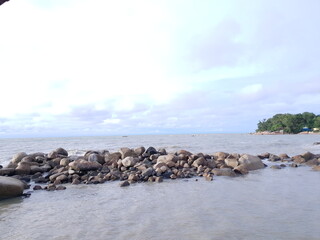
[265, 204]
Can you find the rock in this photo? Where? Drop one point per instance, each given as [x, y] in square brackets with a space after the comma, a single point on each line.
[23, 168]
[10, 187]
[150, 151]
[59, 188]
[35, 169]
[316, 143]
[64, 162]
[274, 158]
[308, 156]
[76, 181]
[199, 162]
[62, 152]
[208, 177]
[241, 170]
[275, 167]
[251, 162]
[7, 171]
[293, 165]
[284, 156]
[223, 172]
[264, 155]
[127, 152]
[124, 184]
[220, 156]
[231, 161]
[37, 187]
[312, 162]
[162, 151]
[184, 152]
[18, 157]
[83, 165]
[50, 187]
[139, 151]
[96, 157]
[53, 155]
[298, 159]
[112, 158]
[167, 159]
[316, 168]
[129, 161]
[133, 178]
[158, 179]
[147, 173]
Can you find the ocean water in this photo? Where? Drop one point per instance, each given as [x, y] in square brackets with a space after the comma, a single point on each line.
[265, 204]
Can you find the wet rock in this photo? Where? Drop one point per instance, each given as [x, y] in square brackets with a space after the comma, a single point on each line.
[83, 165]
[251, 162]
[10, 187]
[223, 172]
[18, 157]
[37, 187]
[162, 151]
[124, 184]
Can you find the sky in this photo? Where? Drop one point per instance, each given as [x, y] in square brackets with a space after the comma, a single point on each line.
[80, 67]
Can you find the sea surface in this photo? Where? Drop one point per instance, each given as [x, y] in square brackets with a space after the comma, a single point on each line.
[265, 204]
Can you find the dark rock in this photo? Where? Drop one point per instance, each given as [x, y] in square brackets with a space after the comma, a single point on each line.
[150, 151]
[124, 184]
[23, 168]
[148, 172]
[7, 171]
[112, 158]
[59, 188]
[308, 156]
[274, 158]
[37, 187]
[62, 152]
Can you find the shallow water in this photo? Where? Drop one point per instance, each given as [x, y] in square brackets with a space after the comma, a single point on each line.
[266, 204]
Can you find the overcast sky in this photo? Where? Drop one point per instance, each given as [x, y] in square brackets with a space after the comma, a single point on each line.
[80, 67]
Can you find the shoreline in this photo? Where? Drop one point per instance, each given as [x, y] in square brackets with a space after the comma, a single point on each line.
[281, 133]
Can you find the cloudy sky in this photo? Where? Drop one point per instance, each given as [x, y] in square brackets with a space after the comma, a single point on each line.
[81, 67]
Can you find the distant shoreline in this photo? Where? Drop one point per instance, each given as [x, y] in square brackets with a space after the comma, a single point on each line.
[282, 133]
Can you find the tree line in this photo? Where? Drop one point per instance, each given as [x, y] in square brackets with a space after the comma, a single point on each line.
[289, 123]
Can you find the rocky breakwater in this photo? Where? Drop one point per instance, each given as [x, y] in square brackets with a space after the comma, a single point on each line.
[51, 171]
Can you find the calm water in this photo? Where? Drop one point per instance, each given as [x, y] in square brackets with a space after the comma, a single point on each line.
[266, 204]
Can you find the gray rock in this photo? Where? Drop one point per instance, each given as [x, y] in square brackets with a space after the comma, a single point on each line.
[148, 172]
[129, 161]
[139, 151]
[223, 172]
[18, 157]
[127, 152]
[61, 151]
[251, 162]
[124, 184]
[10, 187]
[7, 171]
[83, 165]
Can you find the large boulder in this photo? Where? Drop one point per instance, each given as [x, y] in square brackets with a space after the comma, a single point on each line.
[83, 165]
[10, 187]
[127, 152]
[251, 162]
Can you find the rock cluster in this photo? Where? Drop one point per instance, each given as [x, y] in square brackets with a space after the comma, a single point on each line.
[136, 165]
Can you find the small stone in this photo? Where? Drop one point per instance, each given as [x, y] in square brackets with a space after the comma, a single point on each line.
[158, 179]
[37, 187]
[61, 188]
[124, 184]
